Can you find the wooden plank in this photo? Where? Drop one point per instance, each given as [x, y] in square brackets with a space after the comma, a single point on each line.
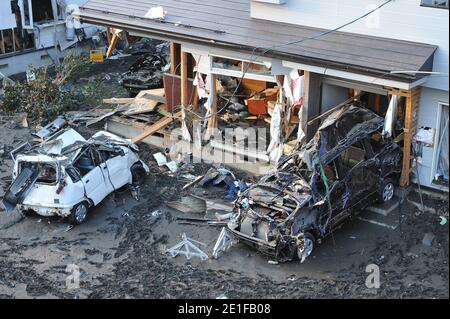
[175, 58]
[153, 94]
[155, 128]
[112, 45]
[116, 100]
[184, 84]
[2, 42]
[411, 118]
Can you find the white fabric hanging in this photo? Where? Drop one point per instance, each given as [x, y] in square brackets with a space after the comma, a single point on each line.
[389, 120]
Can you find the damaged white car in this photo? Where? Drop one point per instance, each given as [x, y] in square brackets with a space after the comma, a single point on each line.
[66, 175]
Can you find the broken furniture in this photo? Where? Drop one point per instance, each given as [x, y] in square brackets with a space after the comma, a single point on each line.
[187, 248]
[223, 243]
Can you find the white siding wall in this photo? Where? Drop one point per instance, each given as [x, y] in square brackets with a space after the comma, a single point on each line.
[429, 117]
[400, 19]
[332, 95]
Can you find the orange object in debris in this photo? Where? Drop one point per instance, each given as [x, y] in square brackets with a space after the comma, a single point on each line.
[96, 56]
[257, 105]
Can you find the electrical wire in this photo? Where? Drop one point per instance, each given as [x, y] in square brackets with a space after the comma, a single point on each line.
[267, 49]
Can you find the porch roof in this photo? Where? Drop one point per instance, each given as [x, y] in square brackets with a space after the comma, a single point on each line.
[228, 24]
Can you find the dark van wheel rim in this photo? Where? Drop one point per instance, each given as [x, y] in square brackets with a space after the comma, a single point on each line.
[309, 246]
[388, 192]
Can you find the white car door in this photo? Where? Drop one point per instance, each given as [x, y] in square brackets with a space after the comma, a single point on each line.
[95, 186]
[117, 167]
[93, 179]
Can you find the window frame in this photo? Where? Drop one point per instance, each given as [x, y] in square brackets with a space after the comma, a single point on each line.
[433, 4]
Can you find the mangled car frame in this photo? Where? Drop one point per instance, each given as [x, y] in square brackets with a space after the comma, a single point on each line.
[66, 175]
[347, 166]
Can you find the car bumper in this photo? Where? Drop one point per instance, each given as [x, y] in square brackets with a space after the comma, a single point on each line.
[46, 211]
[266, 248]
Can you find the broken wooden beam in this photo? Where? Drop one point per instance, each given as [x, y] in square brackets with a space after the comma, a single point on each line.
[155, 127]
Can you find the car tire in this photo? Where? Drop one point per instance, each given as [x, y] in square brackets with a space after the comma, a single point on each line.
[310, 244]
[78, 213]
[138, 174]
[387, 190]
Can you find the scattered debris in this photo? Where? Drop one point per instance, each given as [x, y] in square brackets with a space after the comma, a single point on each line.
[156, 213]
[146, 73]
[188, 249]
[189, 204]
[223, 243]
[290, 209]
[428, 239]
[78, 170]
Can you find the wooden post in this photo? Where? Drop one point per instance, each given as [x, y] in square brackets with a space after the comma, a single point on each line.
[378, 103]
[411, 118]
[175, 57]
[108, 35]
[311, 103]
[14, 40]
[212, 121]
[2, 43]
[184, 84]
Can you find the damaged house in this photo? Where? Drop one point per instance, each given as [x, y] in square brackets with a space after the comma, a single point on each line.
[38, 33]
[283, 64]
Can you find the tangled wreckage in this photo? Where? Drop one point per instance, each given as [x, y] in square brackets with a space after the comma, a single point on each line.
[65, 174]
[347, 166]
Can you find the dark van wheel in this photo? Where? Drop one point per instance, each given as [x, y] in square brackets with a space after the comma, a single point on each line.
[387, 190]
[78, 213]
[310, 244]
[138, 174]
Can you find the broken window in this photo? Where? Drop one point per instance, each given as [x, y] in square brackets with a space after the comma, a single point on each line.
[107, 154]
[47, 171]
[85, 162]
[42, 10]
[353, 155]
[441, 176]
[331, 175]
[444, 4]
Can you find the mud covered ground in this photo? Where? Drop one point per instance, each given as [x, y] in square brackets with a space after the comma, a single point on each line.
[120, 251]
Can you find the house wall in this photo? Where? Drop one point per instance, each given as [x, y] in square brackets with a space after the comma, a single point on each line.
[332, 95]
[400, 19]
[20, 62]
[429, 116]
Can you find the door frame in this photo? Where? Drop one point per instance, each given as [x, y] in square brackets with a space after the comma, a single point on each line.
[439, 123]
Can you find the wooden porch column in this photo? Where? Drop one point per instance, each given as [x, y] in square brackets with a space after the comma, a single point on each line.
[311, 102]
[411, 118]
[184, 84]
[2, 43]
[175, 58]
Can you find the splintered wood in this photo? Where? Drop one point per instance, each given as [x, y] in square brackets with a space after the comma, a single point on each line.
[156, 127]
[146, 101]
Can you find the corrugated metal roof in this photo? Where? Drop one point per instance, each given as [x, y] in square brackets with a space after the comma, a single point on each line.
[227, 23]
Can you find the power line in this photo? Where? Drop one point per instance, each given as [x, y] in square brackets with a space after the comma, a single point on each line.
[253, 57]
